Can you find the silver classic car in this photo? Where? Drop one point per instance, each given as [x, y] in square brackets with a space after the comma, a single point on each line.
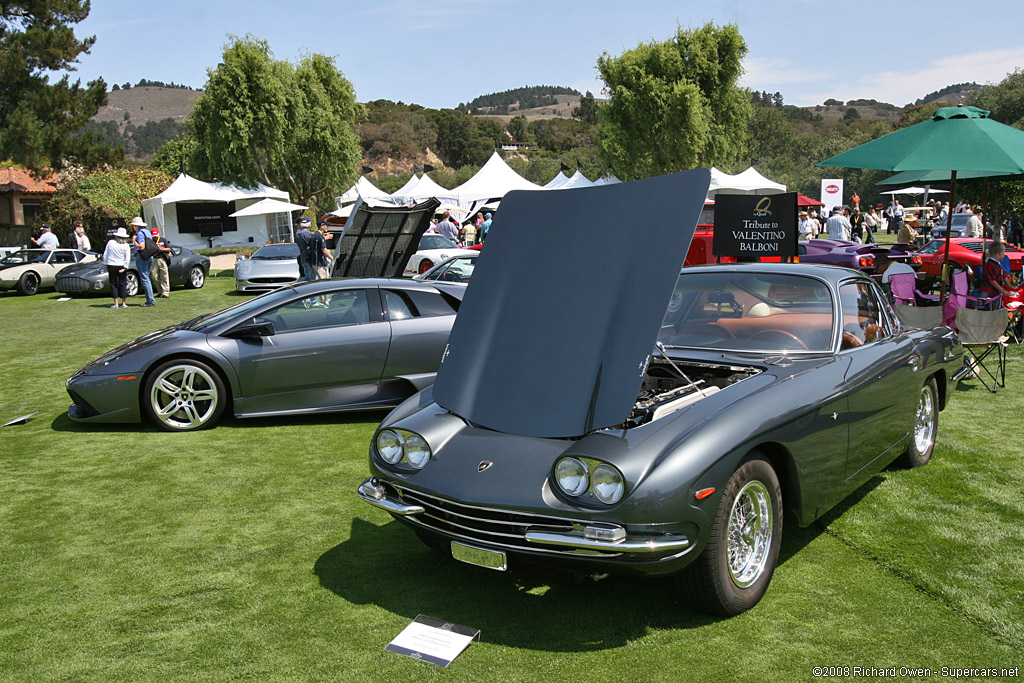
[272, 266]
[330, 345]
[652, 421]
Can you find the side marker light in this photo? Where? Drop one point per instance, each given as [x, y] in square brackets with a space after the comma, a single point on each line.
[704, 493]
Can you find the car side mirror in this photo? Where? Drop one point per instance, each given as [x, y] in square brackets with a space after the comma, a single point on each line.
[252, 329]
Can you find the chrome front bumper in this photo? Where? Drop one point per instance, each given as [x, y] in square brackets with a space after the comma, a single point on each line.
[599, 537]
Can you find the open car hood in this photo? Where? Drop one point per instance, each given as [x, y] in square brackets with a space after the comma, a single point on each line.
[554, 342]
[379, 239]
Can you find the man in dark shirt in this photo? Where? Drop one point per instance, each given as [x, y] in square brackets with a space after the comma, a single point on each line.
[304, 241]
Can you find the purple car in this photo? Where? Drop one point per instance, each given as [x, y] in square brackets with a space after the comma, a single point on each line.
[854, 255]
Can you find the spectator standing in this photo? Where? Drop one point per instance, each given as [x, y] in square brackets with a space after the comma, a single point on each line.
[304, 241]
[160, 272]
[447, 228]
[469, 234]
[871, 224]
[896, 213]
[117, 257]
[817, 224]
[77, 239]
[805, 226]
[485, 227]
[319, 255]
[143, 264]
[975, 227]
[838, 225]
[908, 232]
[47, 240]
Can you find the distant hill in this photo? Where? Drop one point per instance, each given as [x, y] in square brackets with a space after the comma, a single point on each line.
[517, 99]
[145, 104]
[954, 94]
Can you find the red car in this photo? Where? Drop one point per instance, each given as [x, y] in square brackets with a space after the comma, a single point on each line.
[964, 252]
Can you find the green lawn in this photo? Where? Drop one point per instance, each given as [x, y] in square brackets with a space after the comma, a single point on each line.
[242, 552]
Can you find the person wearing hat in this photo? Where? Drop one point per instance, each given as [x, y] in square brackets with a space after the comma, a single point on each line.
[320, 255]
[143, 264]
[806, 226]
[160, 273]
[304, 241]
[47, 240]
[117, 256]
[485, 227]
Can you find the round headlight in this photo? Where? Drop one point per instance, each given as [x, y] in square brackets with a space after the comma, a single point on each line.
[417, 452]
[571, 475]
[607, 484]
[389, 446]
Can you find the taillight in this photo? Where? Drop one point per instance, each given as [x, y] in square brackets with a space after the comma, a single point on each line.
[866, 261]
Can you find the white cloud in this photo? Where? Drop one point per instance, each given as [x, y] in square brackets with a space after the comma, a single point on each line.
[762, 72]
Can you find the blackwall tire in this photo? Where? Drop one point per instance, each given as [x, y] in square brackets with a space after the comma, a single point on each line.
[184, 395]
[28, 284]
[733, 572]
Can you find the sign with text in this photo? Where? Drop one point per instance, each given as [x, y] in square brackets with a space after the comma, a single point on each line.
[433, 640]
[209, 219]
[751, 226]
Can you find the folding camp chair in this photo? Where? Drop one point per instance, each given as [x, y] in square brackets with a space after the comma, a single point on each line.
[982, 333]
[904, 290]
[918, 317]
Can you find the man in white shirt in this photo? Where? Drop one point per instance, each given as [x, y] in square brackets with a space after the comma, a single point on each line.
[838, 226]
[47, 240]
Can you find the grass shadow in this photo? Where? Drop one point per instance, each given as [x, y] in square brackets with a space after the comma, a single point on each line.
[63, 423]
[795, 538]
[389, 567]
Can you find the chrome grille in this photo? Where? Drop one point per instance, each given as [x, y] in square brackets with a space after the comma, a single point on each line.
[502, 528]
[73, 284]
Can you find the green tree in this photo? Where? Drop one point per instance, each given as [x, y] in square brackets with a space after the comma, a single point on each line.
[1005, 100]
[174, 154]
[261, 120]
[40, 121]
[463, 140]
[586, 111]
[674, 104]
[519, 128]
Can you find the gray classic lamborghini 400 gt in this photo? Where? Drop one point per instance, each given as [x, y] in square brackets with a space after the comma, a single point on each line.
[652, 421]
[314, 347]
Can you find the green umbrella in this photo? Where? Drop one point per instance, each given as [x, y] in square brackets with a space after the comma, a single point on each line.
[928, 177]
[955, 139]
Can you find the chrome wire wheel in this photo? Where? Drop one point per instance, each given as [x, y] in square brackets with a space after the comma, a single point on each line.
[924, 425]
[184, 396]
[750, 534]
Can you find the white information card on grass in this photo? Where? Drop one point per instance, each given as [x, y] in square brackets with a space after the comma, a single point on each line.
[432, 640]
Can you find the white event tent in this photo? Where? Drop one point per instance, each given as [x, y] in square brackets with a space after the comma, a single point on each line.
[403, 191]
[748, 182]
[556, 182]
[363, 188]
[577, 179]
[494, 179]
[427, 188]
[609, 179]
[161, 212]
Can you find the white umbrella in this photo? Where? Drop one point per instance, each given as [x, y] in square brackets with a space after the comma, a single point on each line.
[915, 191]
[265, 206]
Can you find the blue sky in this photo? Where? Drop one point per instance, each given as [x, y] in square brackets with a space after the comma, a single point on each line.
[439, 53]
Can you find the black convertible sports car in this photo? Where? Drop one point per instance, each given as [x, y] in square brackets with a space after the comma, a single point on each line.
[187, 269]
[652, 421]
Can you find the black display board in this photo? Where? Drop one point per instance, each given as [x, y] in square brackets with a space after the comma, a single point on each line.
[112, 224]
[209, 219]
[750, 226]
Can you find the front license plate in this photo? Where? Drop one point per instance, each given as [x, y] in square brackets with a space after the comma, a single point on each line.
[491, 559]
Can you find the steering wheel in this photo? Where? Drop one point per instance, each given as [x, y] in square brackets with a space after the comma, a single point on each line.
[780, 336]
[708, 329]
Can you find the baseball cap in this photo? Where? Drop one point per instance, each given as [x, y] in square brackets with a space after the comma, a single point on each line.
[304, 220]
[487, 215]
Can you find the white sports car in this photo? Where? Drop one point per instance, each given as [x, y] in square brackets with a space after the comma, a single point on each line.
[433, 249]
[30, 269]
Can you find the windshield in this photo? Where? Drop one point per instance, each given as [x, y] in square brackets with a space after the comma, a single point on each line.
[26, 256]
[436, 242]
[244, 310]
[762, 312]
[455, 270]
[277, 251]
